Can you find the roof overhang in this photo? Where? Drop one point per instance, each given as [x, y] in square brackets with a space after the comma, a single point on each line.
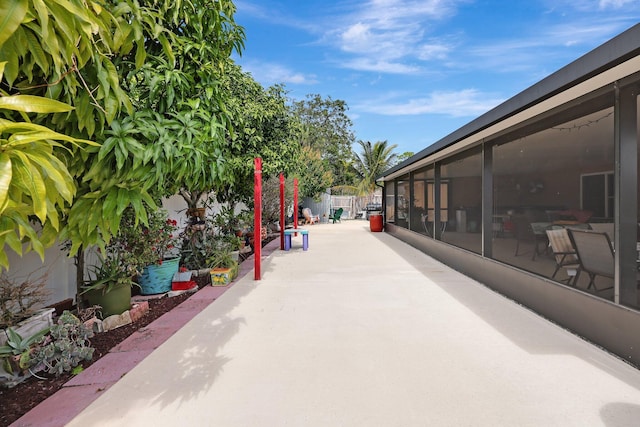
[602, 67]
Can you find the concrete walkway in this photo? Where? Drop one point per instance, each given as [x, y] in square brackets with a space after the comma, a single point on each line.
[363, 330]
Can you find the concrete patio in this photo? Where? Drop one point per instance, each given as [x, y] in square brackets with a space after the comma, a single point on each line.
[360, 330]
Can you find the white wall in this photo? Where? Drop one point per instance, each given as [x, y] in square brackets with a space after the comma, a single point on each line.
[61, 270]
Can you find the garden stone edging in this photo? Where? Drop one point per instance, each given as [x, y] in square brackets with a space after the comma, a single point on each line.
[84, 388]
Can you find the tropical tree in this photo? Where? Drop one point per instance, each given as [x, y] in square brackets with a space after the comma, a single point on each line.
[371, 162]
[173, 141]
[264, 126]
[166, 55]
[402, 157]
[313, 173]
[326, 128]
[55, 55]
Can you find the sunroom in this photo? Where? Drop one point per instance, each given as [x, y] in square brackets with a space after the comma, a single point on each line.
[538, 198]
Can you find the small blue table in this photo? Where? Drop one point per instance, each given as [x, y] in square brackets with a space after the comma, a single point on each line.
[291, 231]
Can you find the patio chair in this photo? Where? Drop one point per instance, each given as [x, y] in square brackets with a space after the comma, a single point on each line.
[603, 227]
[595, 255]
[336, 215]
[428, 219]
[564, 254]
[309, 218]
[524, 232]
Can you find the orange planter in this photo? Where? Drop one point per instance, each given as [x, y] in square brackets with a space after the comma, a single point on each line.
[375, 222]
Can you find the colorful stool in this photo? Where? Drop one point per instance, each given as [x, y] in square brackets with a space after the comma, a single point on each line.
[291, 231]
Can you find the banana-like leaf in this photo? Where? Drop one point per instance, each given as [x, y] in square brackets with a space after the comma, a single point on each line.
[166, 47]
[33, 104]
[55, 172]
[5, 179]
[141, 54]
[12, 12]
[30, 178]
[16, 128]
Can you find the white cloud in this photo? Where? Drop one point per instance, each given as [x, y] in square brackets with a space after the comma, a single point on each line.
[429, 51]
[528, 52]
[389, 35]
[381, 66]
[464, 103]
[270, 73]
[614, 4]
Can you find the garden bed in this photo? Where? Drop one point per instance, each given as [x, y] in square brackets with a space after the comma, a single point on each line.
[21, 399]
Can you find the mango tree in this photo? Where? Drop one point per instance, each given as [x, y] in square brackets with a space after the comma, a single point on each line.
[55, 59]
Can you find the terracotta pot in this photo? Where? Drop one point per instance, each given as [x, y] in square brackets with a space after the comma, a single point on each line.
[375, 222]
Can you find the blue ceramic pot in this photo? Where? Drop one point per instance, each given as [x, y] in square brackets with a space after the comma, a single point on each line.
[156, 278]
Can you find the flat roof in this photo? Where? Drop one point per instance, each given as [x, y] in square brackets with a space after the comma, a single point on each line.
[608, 55]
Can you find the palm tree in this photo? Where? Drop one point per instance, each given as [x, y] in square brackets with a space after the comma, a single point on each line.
[371, 162]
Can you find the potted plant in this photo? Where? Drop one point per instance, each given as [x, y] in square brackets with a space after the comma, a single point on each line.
[198, 243]
[129, 254]
[224, 265]
[110, 285]
[155, 244]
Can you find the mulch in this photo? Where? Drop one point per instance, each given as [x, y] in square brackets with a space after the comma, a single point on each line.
[17, 401]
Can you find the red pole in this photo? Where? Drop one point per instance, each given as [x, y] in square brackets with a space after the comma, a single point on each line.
[282, 212]
[295, 202]
[257, 217]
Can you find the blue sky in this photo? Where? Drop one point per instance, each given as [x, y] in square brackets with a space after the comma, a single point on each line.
[413, 71]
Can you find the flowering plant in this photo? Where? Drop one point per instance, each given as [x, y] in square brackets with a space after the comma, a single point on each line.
[144, 244]
[135, 246]
[158, 239]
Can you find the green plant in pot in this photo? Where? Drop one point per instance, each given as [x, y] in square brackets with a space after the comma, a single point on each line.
[223, 259]
[197, 245]
[123, 258]
[110, 285]
[160, 237]
[150, 249]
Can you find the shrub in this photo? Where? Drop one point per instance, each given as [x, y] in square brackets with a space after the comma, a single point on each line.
[64, 348]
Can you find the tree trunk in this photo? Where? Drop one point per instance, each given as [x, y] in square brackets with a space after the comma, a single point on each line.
[192, 198]
[79, 273]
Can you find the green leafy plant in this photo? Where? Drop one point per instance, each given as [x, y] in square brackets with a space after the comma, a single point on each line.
[65, 347]
[222, 258]
[57, 72]
[16, 353]
[35, 186]
[110, 273]
[198, 244]
[135, 246]
[143, 244]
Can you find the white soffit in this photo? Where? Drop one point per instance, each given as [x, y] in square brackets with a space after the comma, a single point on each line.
[608, 77]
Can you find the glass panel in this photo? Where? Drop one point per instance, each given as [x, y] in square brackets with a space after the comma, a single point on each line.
[421, 198]
[611, 187]
[390, 195]
[419, 206]
[559, 178]
[402, 200]
[423, 174]
[461, 200]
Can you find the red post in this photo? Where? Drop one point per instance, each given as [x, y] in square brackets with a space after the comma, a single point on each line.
[282, 212]
[295, 202]
[257, 217]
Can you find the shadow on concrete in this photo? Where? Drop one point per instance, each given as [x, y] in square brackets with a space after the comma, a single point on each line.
[496, 310]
